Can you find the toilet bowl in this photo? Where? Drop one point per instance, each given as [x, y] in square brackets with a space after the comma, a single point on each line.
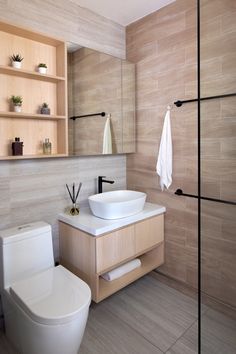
[45, 307]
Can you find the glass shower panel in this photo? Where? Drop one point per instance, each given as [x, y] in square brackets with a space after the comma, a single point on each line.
[218, 176]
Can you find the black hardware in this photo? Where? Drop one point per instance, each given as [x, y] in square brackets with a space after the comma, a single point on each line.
[101, 181]
[72, 194]
[89, 115]
[181, 193]
[199, 205]
[180, 103]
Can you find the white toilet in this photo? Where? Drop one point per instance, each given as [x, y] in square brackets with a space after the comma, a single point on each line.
[45, 307]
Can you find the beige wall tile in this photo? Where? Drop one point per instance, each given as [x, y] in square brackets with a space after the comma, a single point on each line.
[166, 73]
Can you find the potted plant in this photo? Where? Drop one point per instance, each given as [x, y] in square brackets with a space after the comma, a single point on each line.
[16, 60]
[45, 109]
[17, 103]
[42, 68]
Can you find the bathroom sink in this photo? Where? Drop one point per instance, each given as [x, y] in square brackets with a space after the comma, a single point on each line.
[117, 204]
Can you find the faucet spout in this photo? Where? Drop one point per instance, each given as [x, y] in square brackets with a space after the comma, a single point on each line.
[101, 180]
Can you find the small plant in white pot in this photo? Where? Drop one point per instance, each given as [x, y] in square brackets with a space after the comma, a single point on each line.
[16, 60]
[17, 103]
[45, 109]
[42, 68]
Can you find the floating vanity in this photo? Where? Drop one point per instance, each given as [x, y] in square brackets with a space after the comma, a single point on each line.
[90, 246]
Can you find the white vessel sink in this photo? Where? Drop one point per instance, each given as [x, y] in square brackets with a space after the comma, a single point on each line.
[117, 204]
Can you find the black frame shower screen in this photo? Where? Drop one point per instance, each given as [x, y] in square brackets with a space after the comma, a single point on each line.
[202, 198]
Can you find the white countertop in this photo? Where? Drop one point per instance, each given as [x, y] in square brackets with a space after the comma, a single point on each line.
[95, 226]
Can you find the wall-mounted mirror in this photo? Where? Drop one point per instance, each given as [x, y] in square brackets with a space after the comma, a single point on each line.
[101, 100]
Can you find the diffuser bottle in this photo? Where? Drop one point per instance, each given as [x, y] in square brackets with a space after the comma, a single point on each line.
[17, 147]
[47, 147]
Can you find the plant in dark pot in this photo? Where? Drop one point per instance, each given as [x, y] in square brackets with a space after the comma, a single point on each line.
[16, 60]
[45, 109]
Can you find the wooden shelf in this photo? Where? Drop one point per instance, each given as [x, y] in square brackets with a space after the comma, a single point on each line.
[149, 260]
[23, 115]
[29, 34]
[24, 157]
[35, 88]
[8, 70]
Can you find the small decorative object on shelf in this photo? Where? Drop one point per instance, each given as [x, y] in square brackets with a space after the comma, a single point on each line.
[17, 147]
[47, 147]
[45, 109]
[42, 68]
[17, 103]
[74, 196]
[16, 61]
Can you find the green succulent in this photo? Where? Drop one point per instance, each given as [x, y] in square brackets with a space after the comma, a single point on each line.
[42, 65]
[16, 57]
[45, 105]
[17, 100]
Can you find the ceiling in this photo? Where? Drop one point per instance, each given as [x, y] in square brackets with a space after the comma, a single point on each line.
[123, 12]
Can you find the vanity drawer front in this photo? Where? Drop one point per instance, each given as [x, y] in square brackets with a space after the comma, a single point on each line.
[114, 248]
[149, 232]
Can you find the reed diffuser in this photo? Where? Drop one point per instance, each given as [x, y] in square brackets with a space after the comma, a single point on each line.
[74, 196]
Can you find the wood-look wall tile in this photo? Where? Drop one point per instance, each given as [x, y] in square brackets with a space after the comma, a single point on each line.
[35, 190]
[177, 41]
[228, 21]
[172, 63]
[70, 22]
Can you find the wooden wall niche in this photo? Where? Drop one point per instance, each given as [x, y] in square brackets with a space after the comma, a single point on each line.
[35, 88]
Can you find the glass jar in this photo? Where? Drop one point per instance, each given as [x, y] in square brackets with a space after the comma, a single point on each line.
[47, 147]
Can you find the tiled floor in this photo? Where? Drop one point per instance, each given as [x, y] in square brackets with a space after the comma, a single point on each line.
[149, 317]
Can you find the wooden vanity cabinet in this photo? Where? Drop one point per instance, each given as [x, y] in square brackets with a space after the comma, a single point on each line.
[90, 256]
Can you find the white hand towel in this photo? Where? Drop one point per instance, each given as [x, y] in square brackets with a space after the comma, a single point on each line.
[107, 140]
[164, 162]
[122, 270]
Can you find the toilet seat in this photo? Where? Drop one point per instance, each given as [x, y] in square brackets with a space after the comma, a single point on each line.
[52, 297]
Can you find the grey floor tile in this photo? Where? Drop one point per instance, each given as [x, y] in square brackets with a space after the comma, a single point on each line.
[149, 317]
[107, 334]
[188, 343]
[218, 333]
[156, 312]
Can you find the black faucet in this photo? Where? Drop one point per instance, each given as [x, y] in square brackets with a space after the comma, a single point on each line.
[101, 181]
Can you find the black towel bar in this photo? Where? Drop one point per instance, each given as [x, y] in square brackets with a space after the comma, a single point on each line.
[102, 114]
[179, 103]
[181, 193]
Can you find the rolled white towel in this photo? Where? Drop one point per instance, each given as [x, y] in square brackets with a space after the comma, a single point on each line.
[122, 270]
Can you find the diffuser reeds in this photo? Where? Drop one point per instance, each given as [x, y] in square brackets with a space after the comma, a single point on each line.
[74, 196]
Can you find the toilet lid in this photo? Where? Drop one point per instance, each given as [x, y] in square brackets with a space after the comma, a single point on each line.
[52, 297]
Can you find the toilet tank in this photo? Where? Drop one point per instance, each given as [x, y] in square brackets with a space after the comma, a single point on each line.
[24, 251]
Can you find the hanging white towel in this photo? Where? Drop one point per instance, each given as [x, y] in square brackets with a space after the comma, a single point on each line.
[164, 161]
[107, 140]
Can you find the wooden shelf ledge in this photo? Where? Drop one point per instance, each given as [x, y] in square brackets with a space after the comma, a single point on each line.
[23, 115]
[8, 70]
[24, 157]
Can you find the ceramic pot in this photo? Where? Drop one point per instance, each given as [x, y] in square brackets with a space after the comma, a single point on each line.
[16, 64]
[17, 109]
[42, 70]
